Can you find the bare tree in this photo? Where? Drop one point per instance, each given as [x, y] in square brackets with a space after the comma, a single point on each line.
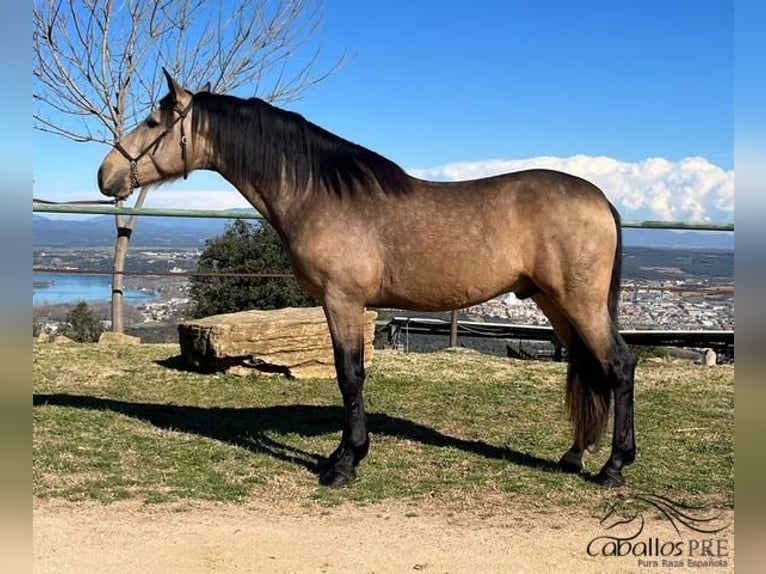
[96, 66]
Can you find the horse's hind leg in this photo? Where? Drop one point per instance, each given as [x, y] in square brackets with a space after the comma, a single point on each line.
[588, 399]
[602, 341]
[571, 460]
[622, 366]
[346, 323]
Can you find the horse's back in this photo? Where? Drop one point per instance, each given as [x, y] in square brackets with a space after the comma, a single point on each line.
[511, 212]
[450, 245]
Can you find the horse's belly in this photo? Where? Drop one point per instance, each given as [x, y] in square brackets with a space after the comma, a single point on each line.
[451, 263]
[446, 288]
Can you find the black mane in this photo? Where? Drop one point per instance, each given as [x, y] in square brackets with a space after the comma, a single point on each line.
[257, 141]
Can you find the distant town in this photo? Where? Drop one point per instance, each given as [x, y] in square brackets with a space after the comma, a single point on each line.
[680, 304]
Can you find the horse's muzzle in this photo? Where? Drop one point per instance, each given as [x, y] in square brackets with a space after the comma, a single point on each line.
[116, 186]
[100, 178]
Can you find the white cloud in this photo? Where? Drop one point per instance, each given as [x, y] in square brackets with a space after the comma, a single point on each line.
[691, 189]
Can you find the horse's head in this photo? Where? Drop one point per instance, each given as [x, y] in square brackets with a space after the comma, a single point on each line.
[157, 150]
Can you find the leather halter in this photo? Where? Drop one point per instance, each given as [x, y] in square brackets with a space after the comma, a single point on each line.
[134, 182]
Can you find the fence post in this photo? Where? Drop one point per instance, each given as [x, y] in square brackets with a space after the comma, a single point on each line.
[453, 329]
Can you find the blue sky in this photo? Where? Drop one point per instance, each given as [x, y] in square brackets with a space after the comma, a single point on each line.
[637, 97]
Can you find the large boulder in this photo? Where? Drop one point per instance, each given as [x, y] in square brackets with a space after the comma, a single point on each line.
[293, 341]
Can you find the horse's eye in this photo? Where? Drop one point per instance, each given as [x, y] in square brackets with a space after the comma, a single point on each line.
[152, 123]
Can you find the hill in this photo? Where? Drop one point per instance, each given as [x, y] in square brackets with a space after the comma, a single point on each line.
[100, 231]
[670, 239]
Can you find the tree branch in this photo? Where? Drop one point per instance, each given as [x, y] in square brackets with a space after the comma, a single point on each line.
[96, 62]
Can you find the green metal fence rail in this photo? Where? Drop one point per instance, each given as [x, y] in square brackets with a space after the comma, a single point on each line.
[680, 225]
[39, 207]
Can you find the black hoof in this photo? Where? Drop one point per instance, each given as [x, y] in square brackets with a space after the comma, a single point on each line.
[609, 478]
[340, 467]
[337, 476]
[567, 465]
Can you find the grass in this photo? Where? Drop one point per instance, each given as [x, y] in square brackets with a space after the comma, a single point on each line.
[459, 428]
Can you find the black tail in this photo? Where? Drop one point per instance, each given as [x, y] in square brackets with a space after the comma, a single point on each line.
[614, 286]
[588, 396]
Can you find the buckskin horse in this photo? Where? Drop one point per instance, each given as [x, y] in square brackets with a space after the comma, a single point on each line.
[361, 232]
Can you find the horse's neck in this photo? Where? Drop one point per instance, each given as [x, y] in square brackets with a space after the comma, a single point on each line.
[273, 201]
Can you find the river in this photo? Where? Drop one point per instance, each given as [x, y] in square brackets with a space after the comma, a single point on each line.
[55, 288]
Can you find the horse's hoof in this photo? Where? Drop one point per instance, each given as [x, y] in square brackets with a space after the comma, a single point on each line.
[570, 464]
[609, 478]
[335, 477]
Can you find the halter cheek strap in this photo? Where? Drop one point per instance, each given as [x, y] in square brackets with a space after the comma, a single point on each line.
[181, 113]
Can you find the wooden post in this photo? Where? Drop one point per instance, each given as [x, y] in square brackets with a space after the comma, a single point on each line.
[453, 329]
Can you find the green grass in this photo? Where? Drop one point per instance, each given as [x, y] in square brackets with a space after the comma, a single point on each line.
[458, 428]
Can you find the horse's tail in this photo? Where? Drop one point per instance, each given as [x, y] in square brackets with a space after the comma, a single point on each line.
[614, 285]
[588, 394]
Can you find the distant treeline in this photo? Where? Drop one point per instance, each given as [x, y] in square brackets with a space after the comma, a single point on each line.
[659, 264]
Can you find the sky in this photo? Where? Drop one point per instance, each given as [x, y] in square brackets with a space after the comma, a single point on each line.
[636, 97]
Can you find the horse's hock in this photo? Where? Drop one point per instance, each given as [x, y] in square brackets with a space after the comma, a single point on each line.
[293, 341]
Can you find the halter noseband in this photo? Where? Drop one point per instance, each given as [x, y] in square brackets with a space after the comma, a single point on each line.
[134, 183]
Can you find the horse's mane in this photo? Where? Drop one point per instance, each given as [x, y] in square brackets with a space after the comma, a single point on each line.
[260, 142]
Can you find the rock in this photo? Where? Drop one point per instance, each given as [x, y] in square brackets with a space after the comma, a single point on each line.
[114, 338]
[44, 337]
[239, 371]
[710, 358]
[293, 341]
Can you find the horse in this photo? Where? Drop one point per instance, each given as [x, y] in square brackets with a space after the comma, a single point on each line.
[360, 232]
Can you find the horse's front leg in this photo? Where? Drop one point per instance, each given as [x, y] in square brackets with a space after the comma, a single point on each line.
[346, 322]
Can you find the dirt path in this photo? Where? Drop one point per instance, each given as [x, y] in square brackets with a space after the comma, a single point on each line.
[126, 538]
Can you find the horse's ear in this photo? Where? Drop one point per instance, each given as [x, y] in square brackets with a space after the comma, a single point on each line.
[205, 88]
[173, 87]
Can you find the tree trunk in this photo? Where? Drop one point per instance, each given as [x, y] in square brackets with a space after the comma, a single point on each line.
[124, 231]
[120, 252]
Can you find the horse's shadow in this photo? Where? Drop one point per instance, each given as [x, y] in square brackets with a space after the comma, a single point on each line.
[250, 427]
